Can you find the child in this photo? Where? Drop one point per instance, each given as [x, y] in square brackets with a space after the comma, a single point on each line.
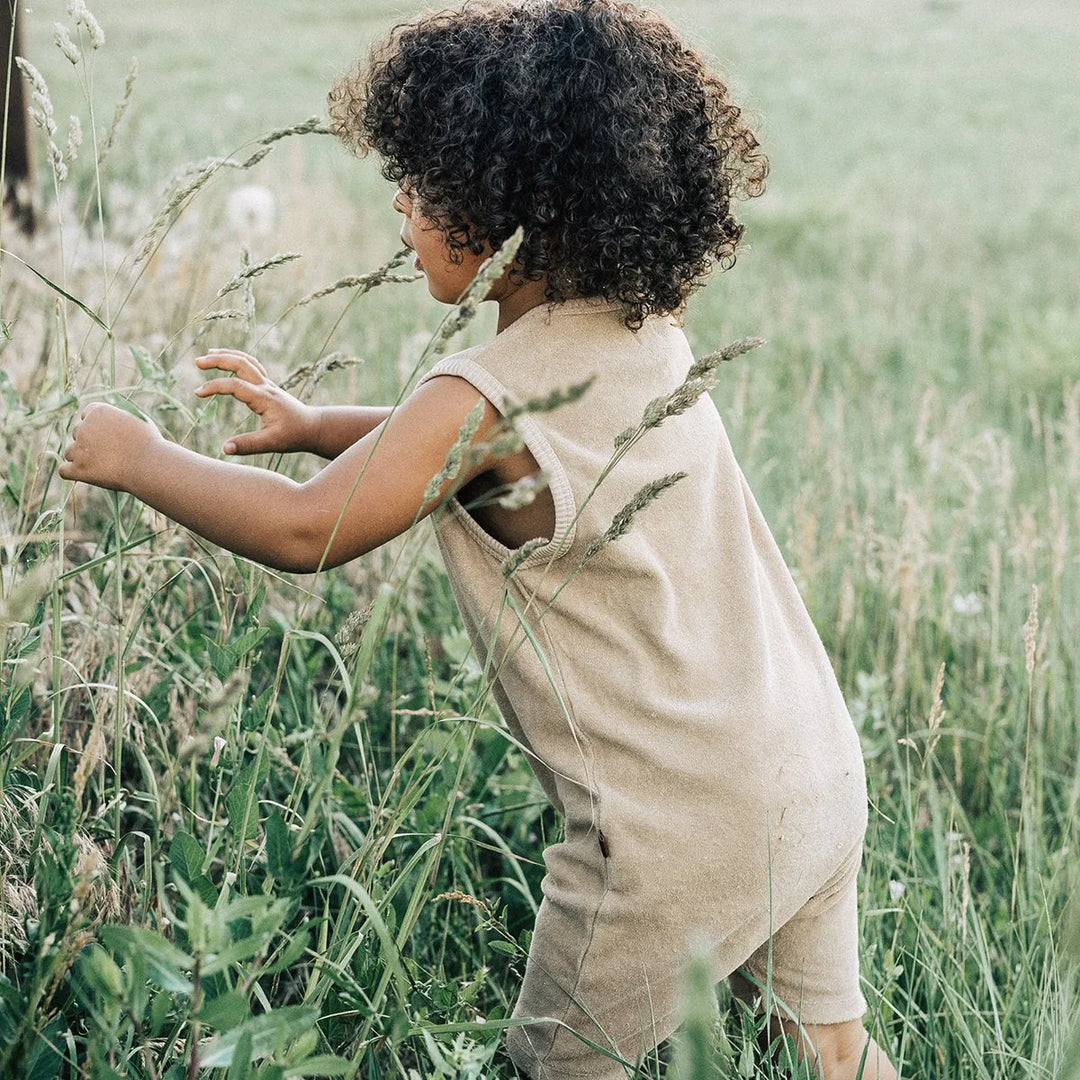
[674, 698]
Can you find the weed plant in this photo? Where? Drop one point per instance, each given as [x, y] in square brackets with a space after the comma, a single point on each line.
[253, 825]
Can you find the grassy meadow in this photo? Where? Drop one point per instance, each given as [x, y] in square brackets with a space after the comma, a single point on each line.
[261, 825]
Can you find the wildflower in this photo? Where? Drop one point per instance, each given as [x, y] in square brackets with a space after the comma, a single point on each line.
[219, 745]
[896, 890]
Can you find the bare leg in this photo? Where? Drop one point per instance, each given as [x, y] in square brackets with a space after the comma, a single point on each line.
[839, 1051]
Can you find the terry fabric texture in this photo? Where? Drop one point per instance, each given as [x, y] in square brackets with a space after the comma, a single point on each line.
[675, 701]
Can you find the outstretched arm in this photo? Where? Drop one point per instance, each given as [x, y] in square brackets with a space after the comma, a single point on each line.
[286, 424]
[367, 495]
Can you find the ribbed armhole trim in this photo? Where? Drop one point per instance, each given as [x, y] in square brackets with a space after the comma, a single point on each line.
[535, 440]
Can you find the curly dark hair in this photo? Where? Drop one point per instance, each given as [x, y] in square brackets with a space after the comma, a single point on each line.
[587, 122]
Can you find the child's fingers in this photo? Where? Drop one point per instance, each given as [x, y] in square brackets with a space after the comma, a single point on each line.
[248, 442]
[245, 366]
[238, 388]
[237, 354]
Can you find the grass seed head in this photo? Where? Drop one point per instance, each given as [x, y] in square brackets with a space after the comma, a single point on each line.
[62, 40]
[254, 271]
[624, 519]
[78, 10]
[456, 454]
[118, 113]
[513, 562]
[523, 492]
[74, 139]
[41, 106]
[1031, 631]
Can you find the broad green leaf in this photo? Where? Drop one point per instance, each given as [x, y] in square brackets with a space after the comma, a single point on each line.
[127, 405]
[244, 949]
[242, 804]
[44, 1059]
[293, 951]
[205, 890]
[244, 644]
[269, 1032]
[144, 362]
[186, 857]
[241, 1066]
[278, 845]
[159, 1011]
[225, 1011]
[221, 659]
[323, 1065]
[165, 963]
[99, 970]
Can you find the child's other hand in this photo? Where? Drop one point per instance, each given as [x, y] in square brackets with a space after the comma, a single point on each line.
[106, 445]
[285, 423]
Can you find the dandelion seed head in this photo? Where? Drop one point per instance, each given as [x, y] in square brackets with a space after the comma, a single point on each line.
[896, 890]
[251, 210]
[967, 604]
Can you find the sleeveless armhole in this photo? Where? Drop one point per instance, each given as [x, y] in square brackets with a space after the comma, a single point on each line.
[538, 445]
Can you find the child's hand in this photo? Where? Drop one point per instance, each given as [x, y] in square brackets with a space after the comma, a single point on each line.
[285, 423]
[106, 445]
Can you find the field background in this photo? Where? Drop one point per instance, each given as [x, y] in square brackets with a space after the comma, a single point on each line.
[911, 430]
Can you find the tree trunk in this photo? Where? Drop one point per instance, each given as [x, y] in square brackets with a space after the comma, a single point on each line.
[19, 161]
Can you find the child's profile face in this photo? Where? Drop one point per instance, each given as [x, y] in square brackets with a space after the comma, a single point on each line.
[447, 278]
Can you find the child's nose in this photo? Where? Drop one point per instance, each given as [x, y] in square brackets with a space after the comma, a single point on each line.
[401, 202]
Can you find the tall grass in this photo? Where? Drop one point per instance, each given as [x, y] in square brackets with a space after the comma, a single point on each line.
[271, 826]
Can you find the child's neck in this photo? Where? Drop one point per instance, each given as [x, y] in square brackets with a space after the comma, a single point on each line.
[517, 300]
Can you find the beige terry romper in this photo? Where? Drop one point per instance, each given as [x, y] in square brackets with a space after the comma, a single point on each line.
[675, 701]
